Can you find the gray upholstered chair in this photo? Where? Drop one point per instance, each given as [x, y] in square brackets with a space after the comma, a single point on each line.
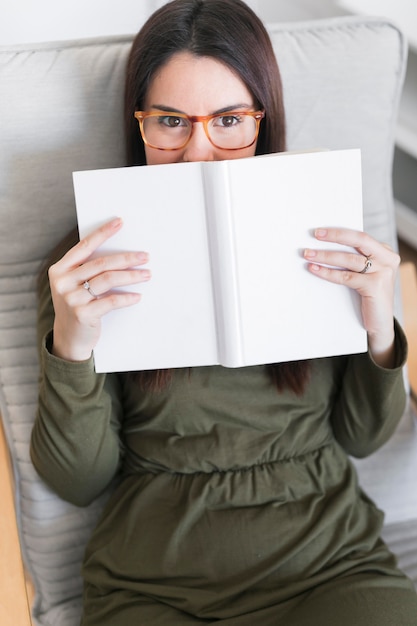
[61, 110]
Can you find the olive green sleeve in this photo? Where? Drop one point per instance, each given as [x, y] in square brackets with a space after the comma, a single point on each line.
[371, 402]
[75, 445]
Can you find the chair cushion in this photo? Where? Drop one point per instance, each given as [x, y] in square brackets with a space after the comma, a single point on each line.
[60, 111]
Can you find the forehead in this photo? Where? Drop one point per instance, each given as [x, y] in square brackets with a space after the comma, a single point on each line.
[196, 85]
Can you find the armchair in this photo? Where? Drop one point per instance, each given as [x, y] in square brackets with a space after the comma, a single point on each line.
[61, 110]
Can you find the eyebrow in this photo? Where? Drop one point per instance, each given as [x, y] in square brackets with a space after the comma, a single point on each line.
[227, 109]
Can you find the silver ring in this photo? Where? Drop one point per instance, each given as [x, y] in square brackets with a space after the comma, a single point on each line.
[367, 266]
[86, 286]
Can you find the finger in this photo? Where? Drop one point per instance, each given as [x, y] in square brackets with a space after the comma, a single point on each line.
[109, 281]
[89, 244]
[352, 279]
[341, 259]
[361, 241]
[98, 307]
[109, 263]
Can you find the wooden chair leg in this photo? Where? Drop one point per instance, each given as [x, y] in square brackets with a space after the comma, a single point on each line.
[14, 599]
[408, 277]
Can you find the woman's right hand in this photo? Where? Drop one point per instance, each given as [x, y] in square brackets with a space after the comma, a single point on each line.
[78, 312]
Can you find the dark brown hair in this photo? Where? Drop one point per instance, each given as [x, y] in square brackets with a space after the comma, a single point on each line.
[230, 32]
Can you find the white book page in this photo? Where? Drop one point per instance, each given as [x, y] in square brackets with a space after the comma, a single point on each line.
[286, 312]
[163, 211]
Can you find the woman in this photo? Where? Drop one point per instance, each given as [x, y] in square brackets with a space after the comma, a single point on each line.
[236, 502]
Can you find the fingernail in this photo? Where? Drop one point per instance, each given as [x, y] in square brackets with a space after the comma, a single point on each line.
[146, 275]
[321, 232]
[309, 253]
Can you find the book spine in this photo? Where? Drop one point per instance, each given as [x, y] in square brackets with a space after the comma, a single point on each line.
[223, 262]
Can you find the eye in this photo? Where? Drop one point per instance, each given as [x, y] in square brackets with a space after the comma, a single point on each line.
[227, 121]
[171, 121]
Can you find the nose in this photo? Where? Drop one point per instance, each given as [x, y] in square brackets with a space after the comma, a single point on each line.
[199, 147]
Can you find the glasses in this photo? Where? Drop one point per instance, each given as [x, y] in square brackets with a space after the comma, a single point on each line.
[167, 130]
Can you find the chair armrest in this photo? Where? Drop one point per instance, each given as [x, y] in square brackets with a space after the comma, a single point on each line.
[14, 602]
[408, 277]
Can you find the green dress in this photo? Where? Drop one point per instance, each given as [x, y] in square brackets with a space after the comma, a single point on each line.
[236, 504]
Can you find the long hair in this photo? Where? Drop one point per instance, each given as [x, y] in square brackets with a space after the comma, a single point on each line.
[230, 32]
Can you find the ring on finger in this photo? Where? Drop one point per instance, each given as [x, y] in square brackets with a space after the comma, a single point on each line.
[86, 286]
[367, 266]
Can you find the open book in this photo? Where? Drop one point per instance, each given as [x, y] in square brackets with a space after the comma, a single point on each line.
[229, 282]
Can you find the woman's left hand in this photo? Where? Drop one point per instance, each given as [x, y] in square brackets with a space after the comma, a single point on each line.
[371, 269]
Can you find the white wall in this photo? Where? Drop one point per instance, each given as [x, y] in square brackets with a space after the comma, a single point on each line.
[28, 21]
[24, 21]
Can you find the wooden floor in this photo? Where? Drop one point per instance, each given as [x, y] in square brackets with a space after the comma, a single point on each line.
[409, 300]
[407, 253]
